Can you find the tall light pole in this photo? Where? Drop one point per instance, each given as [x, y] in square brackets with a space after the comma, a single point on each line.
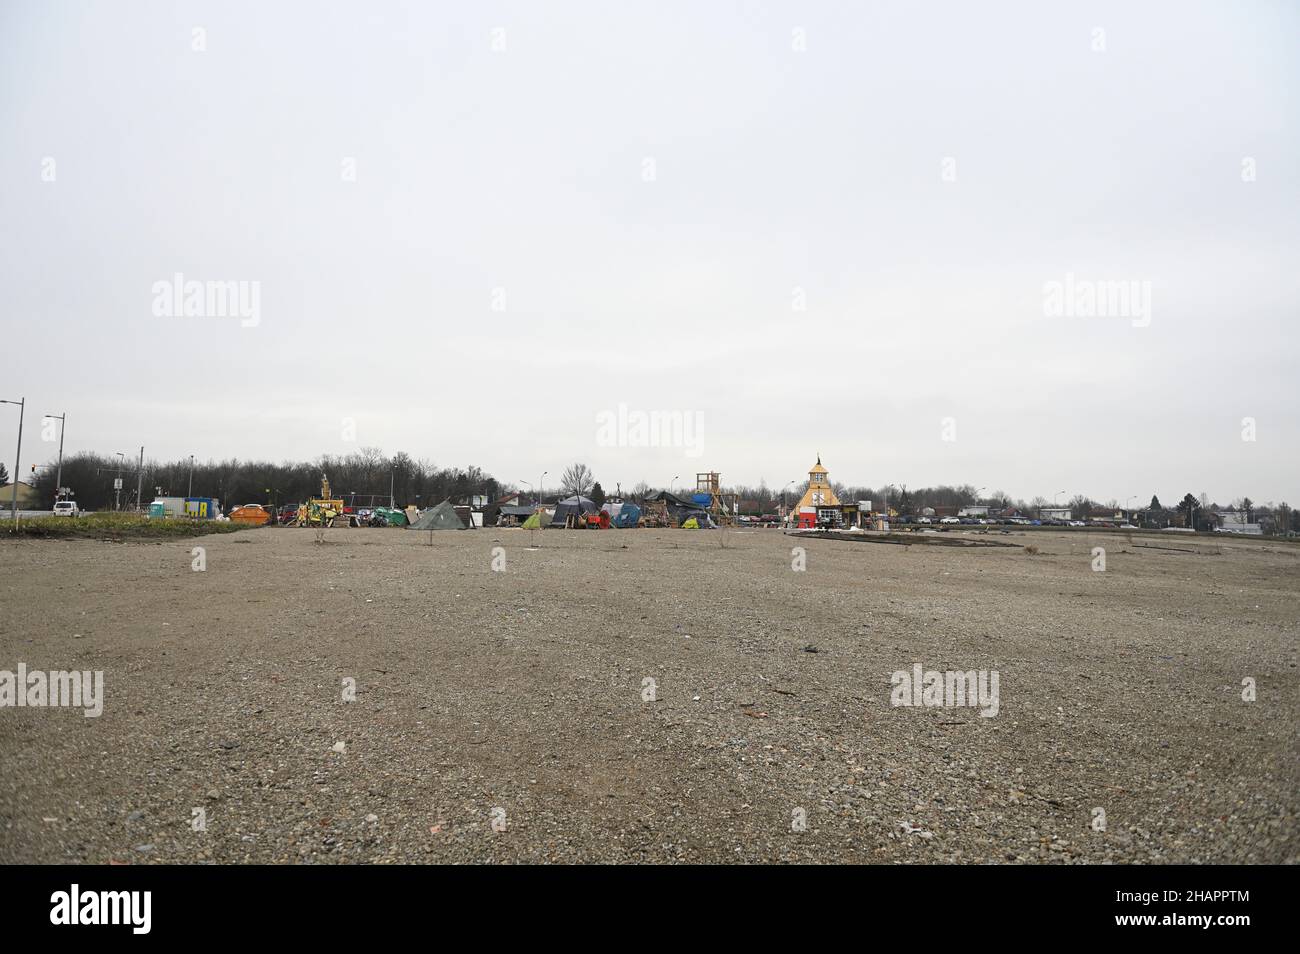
[672, 487]
[539, 487]
[117, 481]
[63, 424]
[139, 482]
[18, 454]
[529, 485]
[190, 492]
[785, 514]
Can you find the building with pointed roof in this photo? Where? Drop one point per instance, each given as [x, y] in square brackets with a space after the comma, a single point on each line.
[819, 494]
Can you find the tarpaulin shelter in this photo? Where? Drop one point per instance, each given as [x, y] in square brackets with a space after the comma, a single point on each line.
[676, 508]
[441, 517]
[392, 517]
[510, 516]
[699, 520]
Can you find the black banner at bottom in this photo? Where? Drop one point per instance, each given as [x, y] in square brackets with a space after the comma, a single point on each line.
[1217, 904]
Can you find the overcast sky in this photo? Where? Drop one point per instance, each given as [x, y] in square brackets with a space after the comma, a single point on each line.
[811, 227]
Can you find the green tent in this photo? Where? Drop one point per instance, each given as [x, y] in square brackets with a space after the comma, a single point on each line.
[441, 517]
[538, 521]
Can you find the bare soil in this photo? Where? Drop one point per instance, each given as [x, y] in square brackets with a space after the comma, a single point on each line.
[518, 700]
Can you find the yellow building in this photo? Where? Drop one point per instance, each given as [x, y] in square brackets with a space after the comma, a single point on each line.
[818, 494]
[28, 498]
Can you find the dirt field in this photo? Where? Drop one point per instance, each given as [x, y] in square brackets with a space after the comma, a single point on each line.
[515, 699]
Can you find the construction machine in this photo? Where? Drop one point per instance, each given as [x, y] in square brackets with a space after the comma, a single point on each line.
[319, 511]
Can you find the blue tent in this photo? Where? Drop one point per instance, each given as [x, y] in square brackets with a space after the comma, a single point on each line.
[628, 515]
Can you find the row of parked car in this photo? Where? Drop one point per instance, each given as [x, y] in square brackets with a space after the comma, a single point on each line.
[1017, 521]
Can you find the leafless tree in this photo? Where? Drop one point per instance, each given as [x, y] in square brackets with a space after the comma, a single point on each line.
[577, 480]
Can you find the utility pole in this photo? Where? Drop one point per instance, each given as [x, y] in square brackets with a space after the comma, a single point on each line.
[190, 492]
[392, 478]
[18, 454]
[139, 478]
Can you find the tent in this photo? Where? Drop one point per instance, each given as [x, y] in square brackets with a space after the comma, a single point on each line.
[571, 507]
[441, 517]
[538, 521]
[699, 520]
[627, 516]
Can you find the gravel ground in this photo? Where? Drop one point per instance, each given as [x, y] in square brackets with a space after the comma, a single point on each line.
[514, 700]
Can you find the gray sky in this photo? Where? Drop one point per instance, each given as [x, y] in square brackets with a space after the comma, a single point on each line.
[506, 264]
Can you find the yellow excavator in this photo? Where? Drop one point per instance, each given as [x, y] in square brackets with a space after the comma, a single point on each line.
[319, 511]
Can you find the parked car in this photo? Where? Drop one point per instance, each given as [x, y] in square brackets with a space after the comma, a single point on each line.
[66, 508]
[949, 520]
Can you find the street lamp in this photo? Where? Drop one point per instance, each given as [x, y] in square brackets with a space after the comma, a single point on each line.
[672, 487]
[529, 485]
[117, 481]
[190, 491]
[18, 454]
[58, 480]
[785, 514]
[541, 483]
